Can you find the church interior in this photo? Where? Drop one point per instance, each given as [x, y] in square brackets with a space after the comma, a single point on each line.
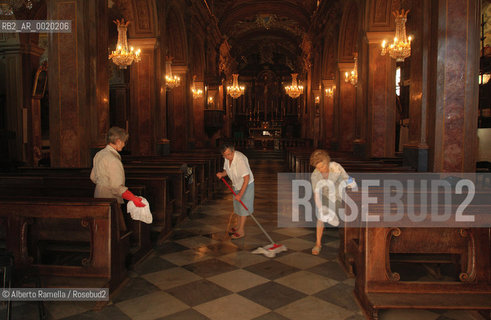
[386, 87]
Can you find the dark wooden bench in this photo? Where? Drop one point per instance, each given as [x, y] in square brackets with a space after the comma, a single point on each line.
[26, 187]
[377, 286]
[160, 189]
[92, 221]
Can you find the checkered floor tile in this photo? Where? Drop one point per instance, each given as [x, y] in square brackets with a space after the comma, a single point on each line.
[200, 274]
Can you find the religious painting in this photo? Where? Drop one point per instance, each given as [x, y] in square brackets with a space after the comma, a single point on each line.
[40, 80]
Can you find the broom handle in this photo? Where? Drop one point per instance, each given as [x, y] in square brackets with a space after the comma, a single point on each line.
[253, 218]
[242, 203]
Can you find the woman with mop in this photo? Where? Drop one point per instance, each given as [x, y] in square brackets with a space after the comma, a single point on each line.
[237, 168]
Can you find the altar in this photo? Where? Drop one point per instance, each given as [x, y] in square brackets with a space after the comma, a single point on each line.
[265, 136]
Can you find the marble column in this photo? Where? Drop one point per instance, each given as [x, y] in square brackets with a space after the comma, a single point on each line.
[143, 99]
[199, 117]
[416, 150]
[19, 62]
[347, 112]
[79, 108]
[455, 132]
[328, 114]
[177, 111]
[381, 97]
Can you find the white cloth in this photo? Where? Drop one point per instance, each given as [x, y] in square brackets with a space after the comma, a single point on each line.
[108, 174]
[238, 169]
[140, 213]
[328, 215]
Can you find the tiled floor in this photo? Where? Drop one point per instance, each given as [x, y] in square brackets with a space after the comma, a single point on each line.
[199, 275]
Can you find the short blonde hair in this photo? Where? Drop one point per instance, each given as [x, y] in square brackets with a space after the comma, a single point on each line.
[116, 133]
[318, 156]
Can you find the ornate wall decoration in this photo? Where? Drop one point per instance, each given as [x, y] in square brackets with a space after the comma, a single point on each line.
[306, 47]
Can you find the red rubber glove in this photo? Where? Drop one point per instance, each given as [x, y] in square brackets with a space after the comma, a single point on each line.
[127, 195]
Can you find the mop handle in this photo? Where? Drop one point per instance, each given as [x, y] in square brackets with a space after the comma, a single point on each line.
[242, 203]
[253, 218]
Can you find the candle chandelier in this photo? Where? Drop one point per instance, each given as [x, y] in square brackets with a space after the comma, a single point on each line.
[235, 90]
[352, 77]
[123, 57]
[171, 81]
[294, 90]
[197, 93]
[400, 49]
[7, 7]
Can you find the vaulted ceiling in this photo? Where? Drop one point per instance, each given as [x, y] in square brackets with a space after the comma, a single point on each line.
[264, 31]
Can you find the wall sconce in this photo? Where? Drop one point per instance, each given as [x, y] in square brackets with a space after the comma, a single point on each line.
[329, 92]
[317, 100]
[210, 100]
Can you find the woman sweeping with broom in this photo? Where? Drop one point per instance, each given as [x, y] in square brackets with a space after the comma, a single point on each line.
[237, 168]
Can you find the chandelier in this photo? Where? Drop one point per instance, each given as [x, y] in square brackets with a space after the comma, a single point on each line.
[352, 77]
[197, 93]
[123, 57]
[400, 49]
[294, 90]
[7, 7]
[171, 81]
[235, 90]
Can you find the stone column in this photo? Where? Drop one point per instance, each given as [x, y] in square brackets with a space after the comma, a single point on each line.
[143, 98]
[457, 65]
[347, 104]
[199, 116]
[416, 150]
[78, 84]
[178, 130]
[328, 113]
[381, 97]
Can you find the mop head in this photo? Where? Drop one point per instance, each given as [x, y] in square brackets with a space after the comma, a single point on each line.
[271, 250]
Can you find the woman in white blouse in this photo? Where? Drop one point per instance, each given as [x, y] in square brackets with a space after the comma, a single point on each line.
[330, 173]
[237, 168]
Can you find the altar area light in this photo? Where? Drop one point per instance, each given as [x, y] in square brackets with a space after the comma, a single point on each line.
[197, 93]
[171, 81]
[235, 90]
[294, 90]
[352, 77]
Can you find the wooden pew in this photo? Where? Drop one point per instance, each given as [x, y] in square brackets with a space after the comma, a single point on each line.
[371, 250]
[203, 168]
[25, 187]
[160, 189]
[98, 225]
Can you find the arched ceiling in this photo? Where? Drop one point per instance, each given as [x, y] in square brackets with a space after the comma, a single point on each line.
[264, 30]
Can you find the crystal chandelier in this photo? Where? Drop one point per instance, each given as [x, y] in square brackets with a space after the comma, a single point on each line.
[294, 90]
[400, 49]
[235, 90]
[352, 77]
[197, 93]
[171, 81]
[123, 57]
[7, 7]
